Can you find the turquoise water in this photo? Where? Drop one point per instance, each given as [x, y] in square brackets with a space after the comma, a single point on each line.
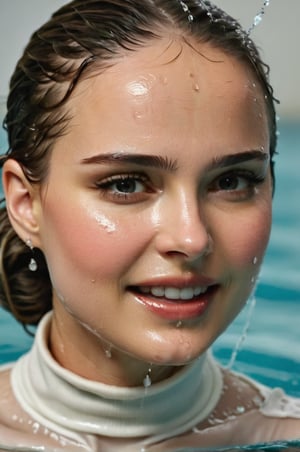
[271, 351]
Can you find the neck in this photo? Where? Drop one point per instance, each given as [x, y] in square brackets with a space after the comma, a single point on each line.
[90, 357]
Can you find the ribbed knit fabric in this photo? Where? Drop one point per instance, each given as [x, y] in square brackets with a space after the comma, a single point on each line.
[67, 403]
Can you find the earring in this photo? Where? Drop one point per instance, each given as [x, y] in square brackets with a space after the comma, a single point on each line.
[33, 263]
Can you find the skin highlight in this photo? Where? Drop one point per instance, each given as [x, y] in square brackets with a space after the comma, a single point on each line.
[177, 224]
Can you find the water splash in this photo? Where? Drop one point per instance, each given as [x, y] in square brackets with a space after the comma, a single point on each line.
[259, 16]
[241, 340]
[186, 10]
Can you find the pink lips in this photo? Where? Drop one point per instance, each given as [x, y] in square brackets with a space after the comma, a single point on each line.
[194, 306]
[174, 310]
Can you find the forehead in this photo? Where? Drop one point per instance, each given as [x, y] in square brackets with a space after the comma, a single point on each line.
[181, 58]
[168, 82]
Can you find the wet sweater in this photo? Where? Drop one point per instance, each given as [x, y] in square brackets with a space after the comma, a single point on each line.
[48, 408]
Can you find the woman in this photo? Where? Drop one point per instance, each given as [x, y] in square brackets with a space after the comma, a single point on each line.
[138, 186]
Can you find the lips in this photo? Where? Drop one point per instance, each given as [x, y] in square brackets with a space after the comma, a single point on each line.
[177, 300]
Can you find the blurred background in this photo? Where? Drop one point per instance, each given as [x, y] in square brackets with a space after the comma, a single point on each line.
[278, 37]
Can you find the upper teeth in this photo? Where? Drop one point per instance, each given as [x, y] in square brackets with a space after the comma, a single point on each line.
[173, 293]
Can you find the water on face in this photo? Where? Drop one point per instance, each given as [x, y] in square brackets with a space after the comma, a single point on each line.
[267, 347]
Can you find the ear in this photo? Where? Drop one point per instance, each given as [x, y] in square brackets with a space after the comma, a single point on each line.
[22, 199]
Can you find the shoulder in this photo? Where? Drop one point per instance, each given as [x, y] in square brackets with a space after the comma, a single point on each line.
[17, 427]
[10, 411]
[252, 412]
[15, 423]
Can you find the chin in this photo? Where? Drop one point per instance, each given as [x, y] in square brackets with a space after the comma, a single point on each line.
[179, 355]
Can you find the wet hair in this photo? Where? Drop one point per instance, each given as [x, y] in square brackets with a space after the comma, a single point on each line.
[81, 39]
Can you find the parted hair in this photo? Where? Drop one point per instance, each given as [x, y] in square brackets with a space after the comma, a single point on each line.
[83, 38]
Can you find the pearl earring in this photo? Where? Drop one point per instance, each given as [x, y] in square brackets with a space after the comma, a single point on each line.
[33, 263]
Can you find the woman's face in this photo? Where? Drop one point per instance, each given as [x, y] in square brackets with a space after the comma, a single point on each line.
[157, 209]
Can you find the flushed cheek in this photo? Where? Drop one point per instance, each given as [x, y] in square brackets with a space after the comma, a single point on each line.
[247, 241]
[96, 242]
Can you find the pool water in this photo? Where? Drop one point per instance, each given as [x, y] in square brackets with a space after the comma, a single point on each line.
[270, 352]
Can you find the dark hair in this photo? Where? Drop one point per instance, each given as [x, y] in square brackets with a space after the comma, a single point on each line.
[82, 38]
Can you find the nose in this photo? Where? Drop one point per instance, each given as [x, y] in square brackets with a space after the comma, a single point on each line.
[182, 228]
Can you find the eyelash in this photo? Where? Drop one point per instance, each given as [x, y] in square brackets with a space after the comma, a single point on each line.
[106, 187]
[250, 179]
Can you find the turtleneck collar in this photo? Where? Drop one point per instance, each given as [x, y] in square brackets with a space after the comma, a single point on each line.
[68, 403]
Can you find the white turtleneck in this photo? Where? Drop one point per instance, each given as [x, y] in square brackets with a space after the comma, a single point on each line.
[70, 405]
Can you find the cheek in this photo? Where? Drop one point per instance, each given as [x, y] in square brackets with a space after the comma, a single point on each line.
[247, 240]
[91, 241]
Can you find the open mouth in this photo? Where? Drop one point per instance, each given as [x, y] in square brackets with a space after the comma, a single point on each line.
[175, 303]
[171, 293]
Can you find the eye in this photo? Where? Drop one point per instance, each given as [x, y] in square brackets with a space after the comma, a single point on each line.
[125, 188]
[237, 185]
[127, 185]
[233, 182]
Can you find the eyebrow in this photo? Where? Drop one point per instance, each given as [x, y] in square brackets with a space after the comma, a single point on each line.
[154, 161]
[236, 159]
[167, 164]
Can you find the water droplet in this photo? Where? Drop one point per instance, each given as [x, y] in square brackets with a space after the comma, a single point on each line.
[108, 353]
[196, 87]
[186, 10]
[240, 409]
[257, 20]
[179, 324]
[184, 7]
[35, 427]
[255, 260]
[54, 436]
[147, 381]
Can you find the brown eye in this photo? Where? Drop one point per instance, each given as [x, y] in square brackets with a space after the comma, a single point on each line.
[237, 185]
[126, 188]
[231, 182]
[128, 185]
[125, 185]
